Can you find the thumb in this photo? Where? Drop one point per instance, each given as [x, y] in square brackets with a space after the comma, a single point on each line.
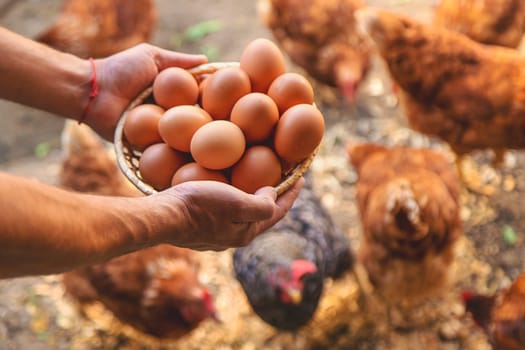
[267, 191]
[260, 206]
[166, 58]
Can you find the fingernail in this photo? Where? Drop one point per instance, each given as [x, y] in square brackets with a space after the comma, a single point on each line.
[267, 191]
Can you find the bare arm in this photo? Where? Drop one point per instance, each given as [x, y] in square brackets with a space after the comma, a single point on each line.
[44, 229]
[41, 77]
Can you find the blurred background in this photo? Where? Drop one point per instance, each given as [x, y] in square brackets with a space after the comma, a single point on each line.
[35, 314]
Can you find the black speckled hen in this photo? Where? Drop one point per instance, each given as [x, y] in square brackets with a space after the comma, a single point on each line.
[283, 270]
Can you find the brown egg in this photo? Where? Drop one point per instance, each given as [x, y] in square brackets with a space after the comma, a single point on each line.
[290, 89]
[222, 89]
[218, 144]
[175, 86]
[256, 114]
[178, 124]
[298, 132]
[258, 167]
[194, 172]
[141, 125]
[262, 60]
[158, 163]
[202, 84]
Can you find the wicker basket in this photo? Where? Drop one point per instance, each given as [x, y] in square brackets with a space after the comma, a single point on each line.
[128, 158]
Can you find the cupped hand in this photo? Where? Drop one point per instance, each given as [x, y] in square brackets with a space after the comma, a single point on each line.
[121, 77]
[215, 216]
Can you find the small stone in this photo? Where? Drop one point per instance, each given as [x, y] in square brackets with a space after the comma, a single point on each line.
[391, 101]
[449, 331]
[376, 87]
[457, 309]
[248, 346]
[465, 213]
[509, 183]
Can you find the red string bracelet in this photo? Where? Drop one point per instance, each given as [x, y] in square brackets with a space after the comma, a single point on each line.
[92, 94]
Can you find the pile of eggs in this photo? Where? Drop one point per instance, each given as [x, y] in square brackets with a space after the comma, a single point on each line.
[244, 125]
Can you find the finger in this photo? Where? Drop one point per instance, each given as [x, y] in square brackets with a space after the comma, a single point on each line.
[166, 58]
[288, 197]
[286, 200]
[241, 234]
[259, 206]
[267, 191]
[284, 203]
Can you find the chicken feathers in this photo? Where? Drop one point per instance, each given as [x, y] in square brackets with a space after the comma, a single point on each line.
[408, 200]
[501, 315]
[283, 270]
[493, 22]
[320, 36]
[99, 28]
[155, 290]
[470, 95]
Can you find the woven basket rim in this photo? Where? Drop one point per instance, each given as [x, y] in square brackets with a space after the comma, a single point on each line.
[123, 150]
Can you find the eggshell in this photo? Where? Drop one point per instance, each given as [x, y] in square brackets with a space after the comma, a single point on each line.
[202, 83]
[262, 60]
[290, 89]
[222, 90]
[179, 123]
[218, 144]
[194, 172]
[158, 163]
[256, 114]
[298, 132]
[175, 86]
[258, 167]
[141, 125]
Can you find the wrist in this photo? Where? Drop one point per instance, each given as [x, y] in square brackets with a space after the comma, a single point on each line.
[106, 227]
[50, 230]
[93, 93]
[72, 86]
[122, 225]
[41, 77]
[165, 219]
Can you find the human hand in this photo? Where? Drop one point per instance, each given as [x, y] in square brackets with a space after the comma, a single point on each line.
[121, 77]
[215, 216]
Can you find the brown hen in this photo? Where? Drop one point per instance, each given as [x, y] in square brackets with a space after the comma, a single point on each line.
[408, 200]
[155, 290]
[320, 36]
[494, 22]
[468, 94]
[99, 28]
[501, 315]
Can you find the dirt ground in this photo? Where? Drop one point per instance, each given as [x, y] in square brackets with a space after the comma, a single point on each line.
[34, 314]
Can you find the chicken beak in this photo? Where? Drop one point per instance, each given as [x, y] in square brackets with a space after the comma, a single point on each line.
[349, 92]
[295, 295]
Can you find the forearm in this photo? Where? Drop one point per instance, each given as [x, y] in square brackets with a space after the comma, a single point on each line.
[38, 76]
[45, 230]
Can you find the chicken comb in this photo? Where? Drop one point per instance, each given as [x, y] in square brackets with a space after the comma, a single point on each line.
[467, 295]
[302, 267]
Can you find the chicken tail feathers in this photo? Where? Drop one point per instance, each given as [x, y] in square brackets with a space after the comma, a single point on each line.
[480, 307]
[77, 138]
[358, 153]
[404, 210]
[88, 165]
